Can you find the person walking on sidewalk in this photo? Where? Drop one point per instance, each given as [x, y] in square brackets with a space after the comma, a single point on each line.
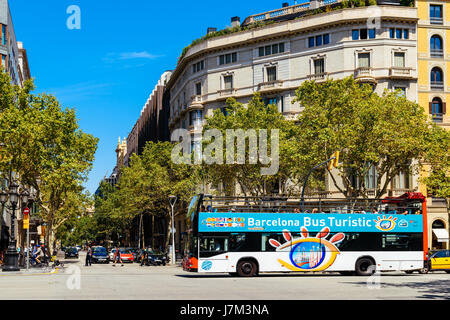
[88, 256]
[117, 258]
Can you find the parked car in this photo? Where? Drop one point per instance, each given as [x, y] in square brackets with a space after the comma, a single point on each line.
[135, 252]
[437, 261]
[99, 255]
[126, 255]
[71, 253]
[154, 259]
[112, 254]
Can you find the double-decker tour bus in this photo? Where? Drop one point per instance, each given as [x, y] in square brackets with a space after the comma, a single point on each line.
[246, 236]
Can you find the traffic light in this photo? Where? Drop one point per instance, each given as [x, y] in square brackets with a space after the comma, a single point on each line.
[334, 162]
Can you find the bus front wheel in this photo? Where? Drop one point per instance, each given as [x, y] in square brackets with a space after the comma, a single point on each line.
[365, 267]
[246, 268]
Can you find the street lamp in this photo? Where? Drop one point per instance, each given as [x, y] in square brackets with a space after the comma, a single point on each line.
[12, 256]
[172, 201]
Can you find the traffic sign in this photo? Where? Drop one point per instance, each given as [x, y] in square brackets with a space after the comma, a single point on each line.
[26, 211]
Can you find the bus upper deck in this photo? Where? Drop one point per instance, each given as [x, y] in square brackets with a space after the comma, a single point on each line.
[409, 203]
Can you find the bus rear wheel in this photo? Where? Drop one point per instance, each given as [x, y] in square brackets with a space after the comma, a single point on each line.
[246, 268]
[365, 267]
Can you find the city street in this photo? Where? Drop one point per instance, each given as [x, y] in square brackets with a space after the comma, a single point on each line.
[132, 282]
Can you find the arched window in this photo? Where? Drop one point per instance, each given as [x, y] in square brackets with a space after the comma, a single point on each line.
[437, 109]
[436, 46]
[437, 78]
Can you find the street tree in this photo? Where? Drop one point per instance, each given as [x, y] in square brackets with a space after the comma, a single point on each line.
[45, 148]
[386, 133]
[256, 115]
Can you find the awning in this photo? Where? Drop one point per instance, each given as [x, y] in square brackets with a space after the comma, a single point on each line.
[441, 234]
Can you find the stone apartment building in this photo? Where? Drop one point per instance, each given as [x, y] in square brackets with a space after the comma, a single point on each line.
[376, 44]
[433, 32]
[13, 60]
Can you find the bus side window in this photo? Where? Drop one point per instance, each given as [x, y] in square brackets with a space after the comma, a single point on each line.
[265, 244]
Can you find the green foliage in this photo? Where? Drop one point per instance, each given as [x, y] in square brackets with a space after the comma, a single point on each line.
[43, 144]
[437, 160]
[408, 3]
[387, 132]
[144, 188]
[256, 115]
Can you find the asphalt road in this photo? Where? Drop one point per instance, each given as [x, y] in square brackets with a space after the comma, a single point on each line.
[131, 282]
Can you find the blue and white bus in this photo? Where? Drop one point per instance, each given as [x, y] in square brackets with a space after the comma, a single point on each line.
[247, 236]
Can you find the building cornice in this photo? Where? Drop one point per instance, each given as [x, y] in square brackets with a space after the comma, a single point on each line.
[288, 28]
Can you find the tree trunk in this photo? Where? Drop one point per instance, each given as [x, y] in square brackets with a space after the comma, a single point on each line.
[169, 234]
[153, 232]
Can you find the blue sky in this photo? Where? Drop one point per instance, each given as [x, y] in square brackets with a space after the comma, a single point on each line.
[108, 68]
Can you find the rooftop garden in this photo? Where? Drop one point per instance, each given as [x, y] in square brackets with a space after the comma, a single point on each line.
[338, 6]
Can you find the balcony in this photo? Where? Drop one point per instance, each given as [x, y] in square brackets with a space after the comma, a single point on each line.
[227, 92]
[436, 20]
[437, 85]
[397, 192]
[318, 76]
[436, 53]
[270, 85]
[400, 72]
[196, 99]
[364, 74]
[437, 117]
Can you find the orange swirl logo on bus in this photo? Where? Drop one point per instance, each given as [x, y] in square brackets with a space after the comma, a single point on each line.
[309, 253]
[385, 224]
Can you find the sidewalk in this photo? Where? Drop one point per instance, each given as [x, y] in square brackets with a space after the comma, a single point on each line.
[31, 271]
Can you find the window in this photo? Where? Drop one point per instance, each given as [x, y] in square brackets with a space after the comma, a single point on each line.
[437, 109]
[399, 59]
[212, 246]
[198, 66]
[405, 34]
[271, 74]
[436, 14]
[272, 49]
[228, 82]
[195, 118]
[319, 66]
[364, 60]
[265, 244]
[398, 33]
[363, 34]
[4, 36]
[371, 178]
[402, 89]
[437, 79]
[318, 41]
[392, 33]
[270, 101]
[402, 181]
[436, 47]
[198, 88]
[228, 58]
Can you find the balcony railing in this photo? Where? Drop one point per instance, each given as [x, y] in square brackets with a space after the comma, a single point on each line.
[437, 117]
[277, 13]
[437, 85]
[400, 72]
[318, 76]
[437, 53]
[436, 20]
[196, 99]
[226, 92]
[270, 85]
[363, 72]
